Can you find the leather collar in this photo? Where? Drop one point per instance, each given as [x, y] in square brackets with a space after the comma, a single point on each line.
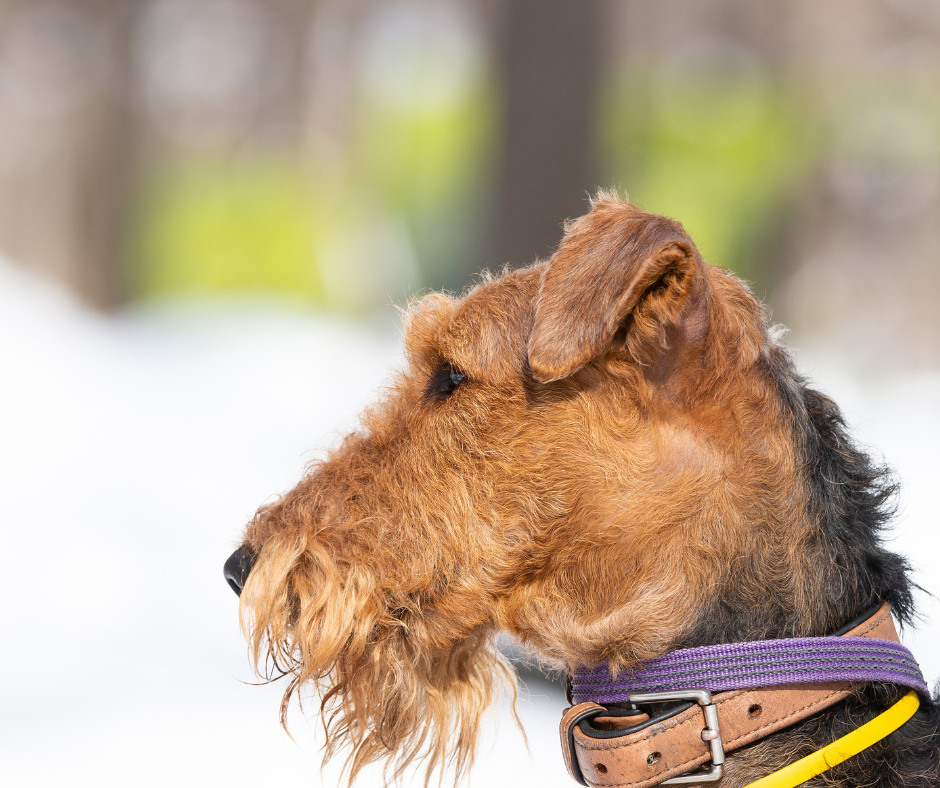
[627, 749]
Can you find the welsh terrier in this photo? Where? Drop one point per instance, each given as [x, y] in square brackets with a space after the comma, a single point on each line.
[610, 456]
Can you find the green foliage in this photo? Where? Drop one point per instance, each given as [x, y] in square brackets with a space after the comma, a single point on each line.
[429, 163]
[213, 225]
[420, 156]
[721, 152]
[399, 212]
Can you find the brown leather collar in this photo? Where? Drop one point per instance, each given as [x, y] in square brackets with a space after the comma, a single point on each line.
[648, 753]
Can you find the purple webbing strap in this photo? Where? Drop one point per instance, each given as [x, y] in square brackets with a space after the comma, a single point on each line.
[760, 663]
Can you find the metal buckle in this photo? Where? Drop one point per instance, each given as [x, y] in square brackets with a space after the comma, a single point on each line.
[711, 733]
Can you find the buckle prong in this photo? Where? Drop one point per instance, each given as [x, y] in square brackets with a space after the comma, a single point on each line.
[710, 734]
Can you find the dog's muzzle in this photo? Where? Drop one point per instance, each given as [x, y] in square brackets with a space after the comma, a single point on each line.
[237, 568]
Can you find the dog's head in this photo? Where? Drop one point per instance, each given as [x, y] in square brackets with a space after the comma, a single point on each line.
[576, 453]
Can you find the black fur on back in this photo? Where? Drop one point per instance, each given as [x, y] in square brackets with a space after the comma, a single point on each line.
[852, 500]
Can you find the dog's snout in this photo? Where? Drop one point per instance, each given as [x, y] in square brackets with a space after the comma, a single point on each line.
[237, 567]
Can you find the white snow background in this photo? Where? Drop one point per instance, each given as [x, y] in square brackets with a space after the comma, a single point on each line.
[133, 449]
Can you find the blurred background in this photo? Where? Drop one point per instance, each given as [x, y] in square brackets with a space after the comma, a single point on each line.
[209, 209]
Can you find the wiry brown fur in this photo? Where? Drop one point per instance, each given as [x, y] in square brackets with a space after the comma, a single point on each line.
[621, 471]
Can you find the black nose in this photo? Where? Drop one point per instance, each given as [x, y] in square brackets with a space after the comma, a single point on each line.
[237, 567]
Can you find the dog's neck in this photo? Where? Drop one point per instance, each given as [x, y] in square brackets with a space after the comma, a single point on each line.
[849, 501]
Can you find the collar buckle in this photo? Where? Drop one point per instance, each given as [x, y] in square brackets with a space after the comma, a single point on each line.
[711, 734]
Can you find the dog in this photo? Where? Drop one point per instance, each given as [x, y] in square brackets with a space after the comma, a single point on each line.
[608, 455]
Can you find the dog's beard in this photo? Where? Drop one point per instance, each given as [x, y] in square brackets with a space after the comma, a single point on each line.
[390, 691]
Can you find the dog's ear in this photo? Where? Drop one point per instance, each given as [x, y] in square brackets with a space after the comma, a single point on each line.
[614, 262]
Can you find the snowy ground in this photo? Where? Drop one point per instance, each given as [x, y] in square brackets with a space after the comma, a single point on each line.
[133, 450]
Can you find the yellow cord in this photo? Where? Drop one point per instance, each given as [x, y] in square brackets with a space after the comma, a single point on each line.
[842, 749]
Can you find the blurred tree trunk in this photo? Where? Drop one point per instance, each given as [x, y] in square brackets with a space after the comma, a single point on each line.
[107, 171]
[550, 53]
[67, 141]
[280, 122]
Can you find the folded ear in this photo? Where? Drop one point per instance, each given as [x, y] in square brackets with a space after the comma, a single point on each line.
[616, 261]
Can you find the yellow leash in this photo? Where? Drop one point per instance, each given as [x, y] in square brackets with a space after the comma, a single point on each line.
[842, 749]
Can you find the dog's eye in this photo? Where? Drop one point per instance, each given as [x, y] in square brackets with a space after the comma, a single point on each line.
[444, 382]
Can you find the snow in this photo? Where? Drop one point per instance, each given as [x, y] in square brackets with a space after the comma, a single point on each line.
[132, 451]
